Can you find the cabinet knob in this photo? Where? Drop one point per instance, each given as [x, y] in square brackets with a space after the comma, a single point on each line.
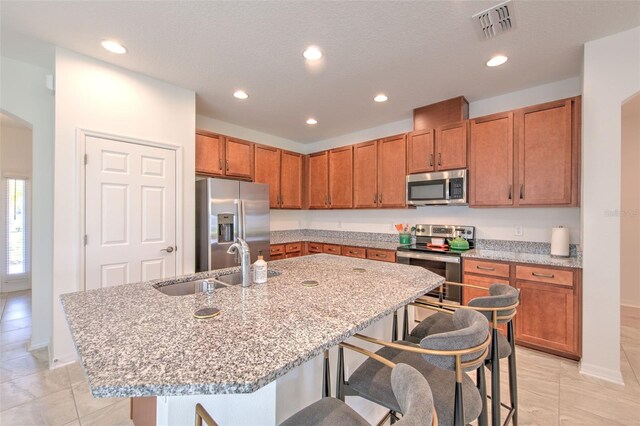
[522, 191]
[510, 191]
[227, 165]
[431, 160]
[439, 159]
[220, 164]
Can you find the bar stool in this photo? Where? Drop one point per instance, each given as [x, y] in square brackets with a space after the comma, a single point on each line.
[499, 308]
[443, 359]
[409, 387]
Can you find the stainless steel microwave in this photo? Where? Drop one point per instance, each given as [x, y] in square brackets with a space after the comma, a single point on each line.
[438, 188]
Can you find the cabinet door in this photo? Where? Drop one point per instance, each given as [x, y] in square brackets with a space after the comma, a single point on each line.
[319, 180]
[420, 151]
[491, 161]
[341, 178]
[451, 146]
[291, 180]
[331, 249]
[546, 316]
[545, 154]
[209, 153]
[267, 170]
[239, 158]
[392, 172]
[365, 175]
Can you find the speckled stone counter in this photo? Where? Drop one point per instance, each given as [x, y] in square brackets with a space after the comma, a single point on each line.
[136, 341]
[520, 257]
[343, 238]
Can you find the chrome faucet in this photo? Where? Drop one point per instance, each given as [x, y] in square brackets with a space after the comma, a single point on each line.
[242, 248]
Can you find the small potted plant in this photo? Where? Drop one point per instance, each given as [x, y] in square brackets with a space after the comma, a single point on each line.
[404, 233]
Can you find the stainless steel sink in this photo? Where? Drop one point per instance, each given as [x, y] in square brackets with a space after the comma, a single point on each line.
[188, 287]
[236, 278]
[197, 286]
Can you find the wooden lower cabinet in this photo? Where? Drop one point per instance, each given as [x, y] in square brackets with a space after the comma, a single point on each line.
[382, 255]
[549, 317]
[354, 252]
[331, 249]
[312, 248]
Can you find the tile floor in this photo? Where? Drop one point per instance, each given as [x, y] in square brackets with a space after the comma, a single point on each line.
[551, 390]
[30, 393]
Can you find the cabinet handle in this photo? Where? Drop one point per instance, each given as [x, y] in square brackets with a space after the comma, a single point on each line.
[439, 159]
[380, 198]
[381, 255]
[485, 268]
[510, 191]
[375, 198]
[522, 191]
[227, 165]
[353, 252]
[219, 163]
[431, 160]
[537, 274]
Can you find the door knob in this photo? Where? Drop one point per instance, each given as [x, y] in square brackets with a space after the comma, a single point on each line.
[168, 249]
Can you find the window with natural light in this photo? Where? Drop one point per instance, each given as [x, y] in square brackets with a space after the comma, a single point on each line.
[17, 261]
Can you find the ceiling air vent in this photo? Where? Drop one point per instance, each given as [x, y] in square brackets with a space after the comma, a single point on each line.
[495, 20]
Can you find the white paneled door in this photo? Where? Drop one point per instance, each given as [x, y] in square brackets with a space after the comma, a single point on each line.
[130, 213]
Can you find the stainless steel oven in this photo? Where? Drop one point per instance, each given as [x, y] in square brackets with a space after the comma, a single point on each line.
[444, 265]
[445, 188]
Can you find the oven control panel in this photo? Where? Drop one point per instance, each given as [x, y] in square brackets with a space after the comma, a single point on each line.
[445, 231]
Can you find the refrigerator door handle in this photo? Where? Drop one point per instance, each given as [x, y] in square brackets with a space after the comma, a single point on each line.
[243, 220]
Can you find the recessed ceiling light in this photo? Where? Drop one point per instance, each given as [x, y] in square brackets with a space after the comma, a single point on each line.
[114, 47]
[380, 98]
[240, 94]
[497, 60]
[312, 121]
[312, 53]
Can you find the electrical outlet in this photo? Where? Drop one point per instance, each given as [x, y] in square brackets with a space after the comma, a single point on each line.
[518, 231]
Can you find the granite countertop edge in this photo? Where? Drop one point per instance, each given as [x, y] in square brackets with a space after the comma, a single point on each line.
[381, 245]
[520, 257]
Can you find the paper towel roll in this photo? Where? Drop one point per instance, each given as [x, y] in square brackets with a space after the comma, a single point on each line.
[560, 241]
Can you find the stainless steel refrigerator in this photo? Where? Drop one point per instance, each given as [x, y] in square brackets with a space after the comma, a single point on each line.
[226, 210]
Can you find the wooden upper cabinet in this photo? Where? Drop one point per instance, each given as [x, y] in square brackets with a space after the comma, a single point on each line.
[239, 158]
[451, 146]
[545, 154]
[365, 175]
[318, 178]
[291, 180]
[420, 151]
[341, 178]
[491, 161]
[267, 170]
[392, 171]
[209, 154]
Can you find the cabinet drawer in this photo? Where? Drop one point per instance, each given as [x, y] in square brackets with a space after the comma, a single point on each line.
[354, 252]
[277, 256]
[562, 277]
[331, 248]
[486, 268]
[314, 247]
[276, 249]
[290, 255]
[469, 293]
[383, 255]
[293, 248]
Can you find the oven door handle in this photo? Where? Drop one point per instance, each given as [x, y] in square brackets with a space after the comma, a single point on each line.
[425, 256]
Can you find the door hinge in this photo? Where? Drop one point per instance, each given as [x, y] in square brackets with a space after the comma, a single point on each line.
[86, 239]
[86, 159]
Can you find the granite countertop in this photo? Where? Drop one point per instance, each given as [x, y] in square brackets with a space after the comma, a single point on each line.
[521, 257]
[136, 341]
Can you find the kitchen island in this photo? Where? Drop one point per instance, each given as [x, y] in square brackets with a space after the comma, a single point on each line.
[260, 359]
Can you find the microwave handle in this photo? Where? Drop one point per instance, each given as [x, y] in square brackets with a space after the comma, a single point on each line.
[447, 195]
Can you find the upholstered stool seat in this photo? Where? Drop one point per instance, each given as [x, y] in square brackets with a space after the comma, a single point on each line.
[373, 380]
[326, 412]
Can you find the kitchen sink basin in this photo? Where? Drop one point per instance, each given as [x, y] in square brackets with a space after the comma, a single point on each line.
[197, 286]
[236, 278]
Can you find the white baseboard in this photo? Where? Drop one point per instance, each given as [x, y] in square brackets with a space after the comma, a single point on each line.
[33, 345]
[18, 285]
[62, 360]
[613, 376]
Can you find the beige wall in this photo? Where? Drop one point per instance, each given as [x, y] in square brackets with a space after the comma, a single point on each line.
[630, 204]
[15, 143]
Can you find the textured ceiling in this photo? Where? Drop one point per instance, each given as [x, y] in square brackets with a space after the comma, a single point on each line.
[415, 52]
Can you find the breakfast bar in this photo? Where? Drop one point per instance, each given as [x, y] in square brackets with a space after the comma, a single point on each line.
[260, 360]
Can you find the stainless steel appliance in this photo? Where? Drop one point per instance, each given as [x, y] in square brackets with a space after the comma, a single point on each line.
[438, 188]
[438, 259]
[226, 210]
